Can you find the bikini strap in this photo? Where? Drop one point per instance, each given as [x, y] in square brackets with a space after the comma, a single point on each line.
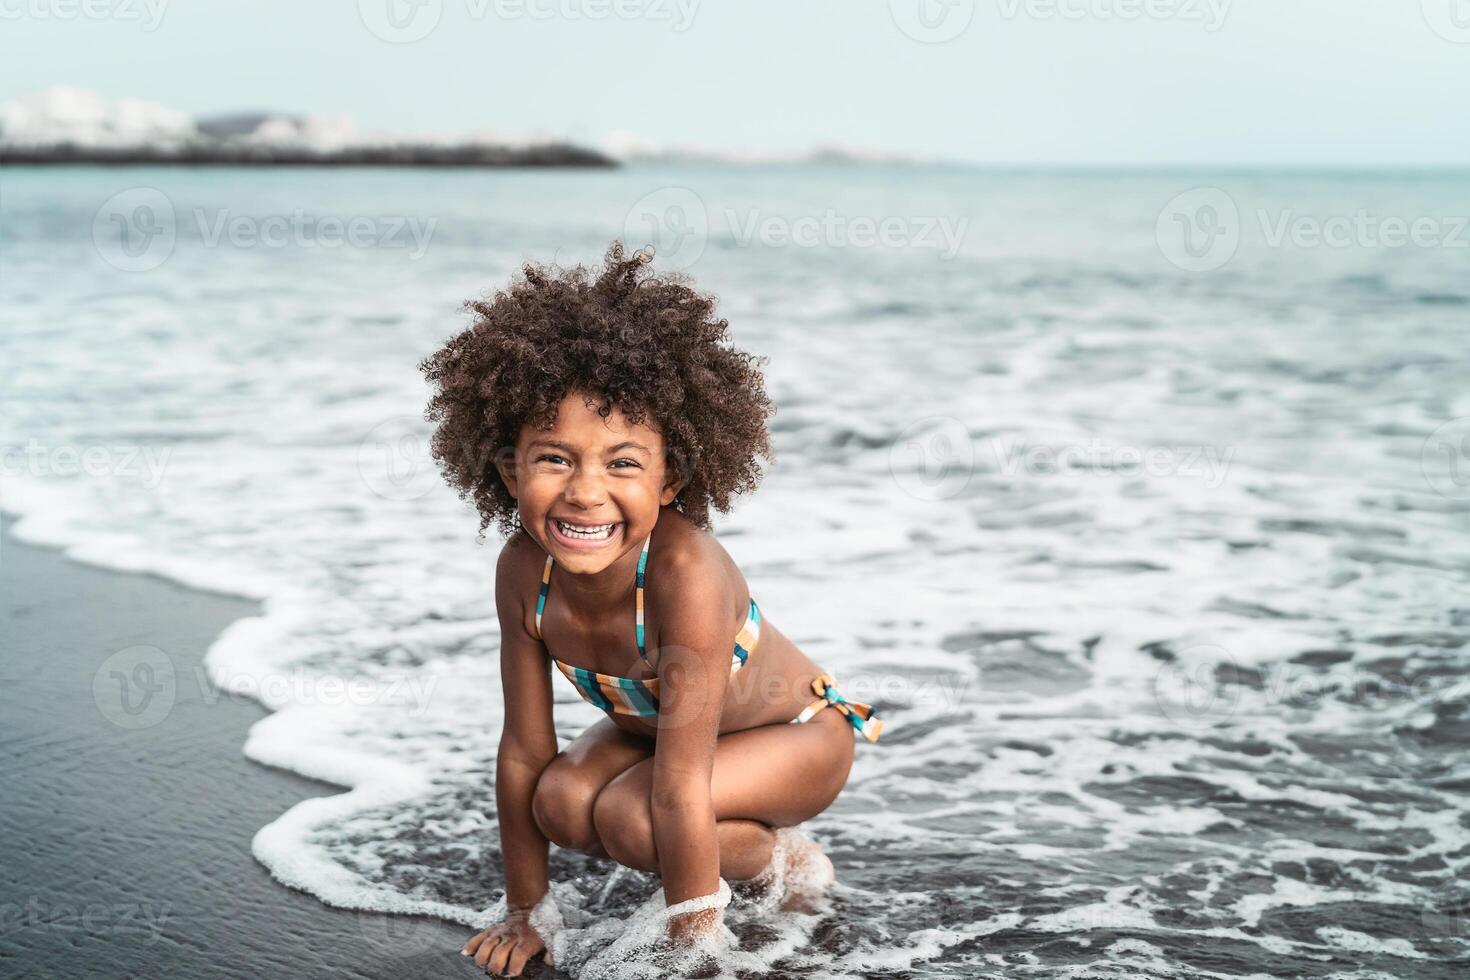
[638, 609]
[541, 598]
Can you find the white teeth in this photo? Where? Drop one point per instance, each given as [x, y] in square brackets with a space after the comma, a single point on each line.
[587, 533]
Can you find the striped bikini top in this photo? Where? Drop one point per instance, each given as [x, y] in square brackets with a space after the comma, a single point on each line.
[632, 695]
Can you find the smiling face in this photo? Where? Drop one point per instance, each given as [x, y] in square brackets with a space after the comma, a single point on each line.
[589, 488]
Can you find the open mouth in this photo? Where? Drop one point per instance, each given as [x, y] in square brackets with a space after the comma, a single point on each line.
[577, 534]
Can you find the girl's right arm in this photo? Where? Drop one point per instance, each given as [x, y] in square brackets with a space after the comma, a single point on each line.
[528, 738]
[527, 746]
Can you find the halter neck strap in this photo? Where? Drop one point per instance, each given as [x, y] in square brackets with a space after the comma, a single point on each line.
[638, 580]
[638, 587]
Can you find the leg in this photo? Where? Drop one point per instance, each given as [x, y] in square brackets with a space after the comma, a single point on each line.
[770, 776]
[569, 785]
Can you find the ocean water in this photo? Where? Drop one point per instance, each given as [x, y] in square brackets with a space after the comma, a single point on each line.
[1138, 503]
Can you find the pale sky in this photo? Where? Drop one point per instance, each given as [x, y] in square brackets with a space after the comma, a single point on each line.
[1076, 82]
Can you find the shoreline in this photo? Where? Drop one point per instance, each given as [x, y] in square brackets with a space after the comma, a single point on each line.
[130, 806]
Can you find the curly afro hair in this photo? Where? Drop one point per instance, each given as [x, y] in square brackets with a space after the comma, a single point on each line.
[649, 345]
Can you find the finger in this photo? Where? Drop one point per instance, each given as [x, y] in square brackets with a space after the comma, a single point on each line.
[501, 955]
[486, 948]
[474, 943]
[518, 958]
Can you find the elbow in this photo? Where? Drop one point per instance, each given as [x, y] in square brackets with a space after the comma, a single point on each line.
[514, 758]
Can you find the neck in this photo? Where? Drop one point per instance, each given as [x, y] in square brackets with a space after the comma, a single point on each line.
[595, 592]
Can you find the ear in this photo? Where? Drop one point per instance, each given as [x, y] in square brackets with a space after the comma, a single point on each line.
[676, 478]
[505, 464]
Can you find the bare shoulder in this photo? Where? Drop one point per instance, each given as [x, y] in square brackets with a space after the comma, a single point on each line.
[518, 577]
[692, 566]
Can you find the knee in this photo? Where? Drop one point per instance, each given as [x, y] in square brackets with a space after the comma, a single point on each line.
[562, 807]
[625, 827]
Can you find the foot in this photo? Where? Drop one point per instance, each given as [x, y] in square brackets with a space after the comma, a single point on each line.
[798, 875]
[809, 872]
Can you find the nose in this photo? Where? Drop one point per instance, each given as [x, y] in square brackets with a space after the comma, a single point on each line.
[584, 489]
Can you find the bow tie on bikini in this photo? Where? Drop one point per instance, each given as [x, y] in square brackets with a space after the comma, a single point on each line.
[861, 716]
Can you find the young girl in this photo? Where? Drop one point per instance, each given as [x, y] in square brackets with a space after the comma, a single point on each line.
[597, 418]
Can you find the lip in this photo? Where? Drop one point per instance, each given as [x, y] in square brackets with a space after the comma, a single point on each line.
[580, 544]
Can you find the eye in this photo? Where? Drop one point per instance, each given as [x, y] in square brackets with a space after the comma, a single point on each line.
[550, 458]
[630, 462]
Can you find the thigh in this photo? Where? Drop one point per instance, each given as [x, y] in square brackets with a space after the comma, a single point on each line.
[603, 747]
[780, 774]
[593, 758]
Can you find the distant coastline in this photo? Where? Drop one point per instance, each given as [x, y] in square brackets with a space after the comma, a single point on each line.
[237, 155]
[67, 125]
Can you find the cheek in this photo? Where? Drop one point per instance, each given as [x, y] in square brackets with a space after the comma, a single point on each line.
[640, 494]
[537, 488]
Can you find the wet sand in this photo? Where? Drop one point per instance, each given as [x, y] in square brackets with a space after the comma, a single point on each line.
[129, 807]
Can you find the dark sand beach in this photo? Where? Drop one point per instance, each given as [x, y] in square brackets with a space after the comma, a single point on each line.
[127, 816]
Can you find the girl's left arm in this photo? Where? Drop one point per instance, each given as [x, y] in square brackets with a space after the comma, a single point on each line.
[694, 670]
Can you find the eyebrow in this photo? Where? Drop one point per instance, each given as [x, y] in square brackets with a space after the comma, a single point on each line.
[627, 444]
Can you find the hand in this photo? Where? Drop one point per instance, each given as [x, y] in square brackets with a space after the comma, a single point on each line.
[503, 948]
[693, 926]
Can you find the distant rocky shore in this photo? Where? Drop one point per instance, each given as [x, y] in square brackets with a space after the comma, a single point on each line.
[225, 153]
[69, 125]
